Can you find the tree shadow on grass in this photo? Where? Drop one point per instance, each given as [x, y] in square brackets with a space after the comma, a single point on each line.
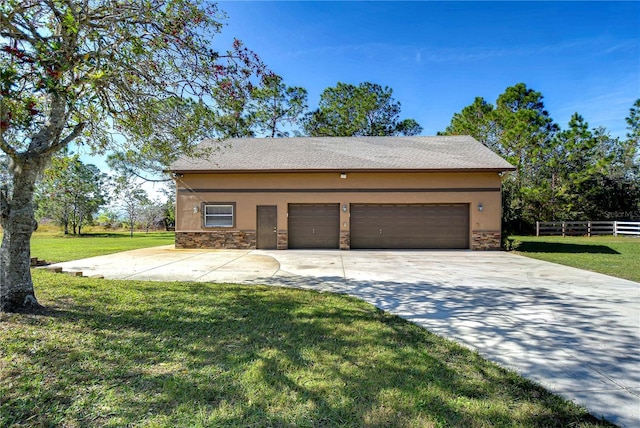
[557, 247]
[179, 364]
[179, 354]
[123, 234]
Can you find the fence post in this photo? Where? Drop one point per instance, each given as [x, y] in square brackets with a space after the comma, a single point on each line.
[615, 228]
[563, 229]
[537, 228]
[589, 228]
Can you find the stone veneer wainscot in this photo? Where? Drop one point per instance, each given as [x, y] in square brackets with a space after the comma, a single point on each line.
[217, 239]
[486, 240]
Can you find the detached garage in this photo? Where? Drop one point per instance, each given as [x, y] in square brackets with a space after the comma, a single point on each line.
[341, 193]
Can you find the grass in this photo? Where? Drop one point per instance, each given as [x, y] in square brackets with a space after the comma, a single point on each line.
[116, 353]
[53, 246]
[615, 256]
[125, 353]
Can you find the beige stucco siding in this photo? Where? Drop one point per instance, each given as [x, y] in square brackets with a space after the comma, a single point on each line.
[188, 220]
[332, 180]
[247, 191]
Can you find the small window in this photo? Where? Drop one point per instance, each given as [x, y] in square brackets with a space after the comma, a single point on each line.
[218, 215]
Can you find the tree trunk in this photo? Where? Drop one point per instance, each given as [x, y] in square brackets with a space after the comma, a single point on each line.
[18, 222]
[66, 220]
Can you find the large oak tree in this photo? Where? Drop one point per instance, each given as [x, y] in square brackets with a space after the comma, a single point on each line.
[136, 76]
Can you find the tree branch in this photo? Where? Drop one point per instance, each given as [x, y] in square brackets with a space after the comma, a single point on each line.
[7, 148]
[77, 130]
[17, 33]
[150, 180]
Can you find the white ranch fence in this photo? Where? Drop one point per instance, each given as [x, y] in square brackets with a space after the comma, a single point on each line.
[588, 228]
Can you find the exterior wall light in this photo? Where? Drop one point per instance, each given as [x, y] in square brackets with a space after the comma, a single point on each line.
[480, 207]
[196, 209]
[343, 175]
[344, 208]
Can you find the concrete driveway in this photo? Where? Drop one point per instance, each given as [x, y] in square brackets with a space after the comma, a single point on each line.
[575, 332]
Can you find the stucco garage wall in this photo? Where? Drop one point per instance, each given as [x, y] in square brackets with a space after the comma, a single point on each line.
[248, 190]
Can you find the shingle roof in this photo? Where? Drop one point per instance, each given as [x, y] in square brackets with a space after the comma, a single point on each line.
[441, 153]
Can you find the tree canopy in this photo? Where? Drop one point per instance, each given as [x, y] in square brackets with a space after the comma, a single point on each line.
[277, 104]
[71, 193]
[138, 77]
[575, 173]
[633, 125]
[477, 120]
[365, 110]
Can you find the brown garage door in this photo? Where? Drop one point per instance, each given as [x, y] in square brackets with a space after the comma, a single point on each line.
[314, 225]
[410, 226]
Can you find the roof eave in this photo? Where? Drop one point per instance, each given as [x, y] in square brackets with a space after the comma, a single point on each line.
[333, 170]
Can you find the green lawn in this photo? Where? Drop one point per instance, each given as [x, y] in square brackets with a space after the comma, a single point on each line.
[116, 353]
[616, 256]
[126, 353]
[57, 247]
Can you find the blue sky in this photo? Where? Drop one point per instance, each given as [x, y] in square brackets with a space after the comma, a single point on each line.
[437, 56]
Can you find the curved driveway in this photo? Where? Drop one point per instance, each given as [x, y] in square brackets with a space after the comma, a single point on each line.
[575, 332]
